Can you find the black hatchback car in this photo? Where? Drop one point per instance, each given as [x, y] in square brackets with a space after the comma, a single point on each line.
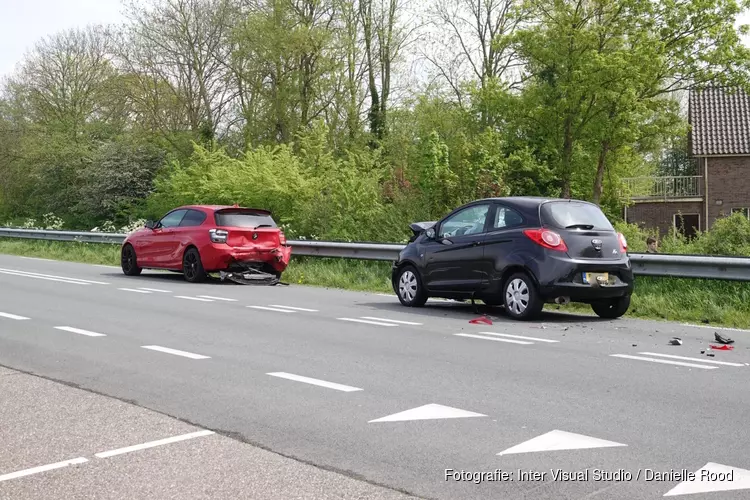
[519, 252]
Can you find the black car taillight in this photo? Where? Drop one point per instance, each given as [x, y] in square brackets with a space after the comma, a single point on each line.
[218, 235]
[547, 239]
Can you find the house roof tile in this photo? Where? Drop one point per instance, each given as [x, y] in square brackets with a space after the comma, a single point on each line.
[720, 122]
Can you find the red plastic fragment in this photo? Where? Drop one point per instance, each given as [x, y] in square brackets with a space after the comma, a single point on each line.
[484, 320]
[722, 348]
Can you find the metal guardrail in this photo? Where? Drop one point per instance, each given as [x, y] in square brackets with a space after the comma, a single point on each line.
[644, 264]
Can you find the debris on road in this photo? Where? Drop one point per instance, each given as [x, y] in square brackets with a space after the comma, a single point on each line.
[676, 341]
[483, 320]
[722, 348]
[722, 340]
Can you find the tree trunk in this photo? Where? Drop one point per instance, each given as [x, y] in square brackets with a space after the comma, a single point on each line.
[567, 158]
[600, 168]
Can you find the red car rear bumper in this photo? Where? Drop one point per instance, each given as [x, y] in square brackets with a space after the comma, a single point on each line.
[222, 257]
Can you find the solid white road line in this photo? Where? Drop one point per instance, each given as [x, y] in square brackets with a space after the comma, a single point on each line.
[29, 274]
[518, 337]
[38, 258]
[43, 278]
[678, 363]
[79, 331]
[366, 321]
[271, 309]
[42, 468]
[295, 308]
[470, 335]
[151, 444]
[133, 290]
[192, 298]
[217, 298]
[392, 320]
[12, 316]
[107, 267]
[701, 360]
[314, 381]
[175, 352]
[154, 290]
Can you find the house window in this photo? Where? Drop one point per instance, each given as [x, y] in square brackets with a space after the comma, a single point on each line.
[743, 211]
[687, 224]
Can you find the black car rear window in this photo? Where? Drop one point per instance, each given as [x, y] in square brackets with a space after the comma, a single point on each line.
[571, 214]
[243, 218]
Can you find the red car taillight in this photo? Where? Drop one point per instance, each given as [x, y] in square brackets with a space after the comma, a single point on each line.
[218, 235]
[282, 238]
[623, 243]
[547, 239]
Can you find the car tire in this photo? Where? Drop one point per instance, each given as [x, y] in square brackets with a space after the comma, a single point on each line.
[612, 308]
[409, 287]
[521, 297]
[192, 267]
[128, 261]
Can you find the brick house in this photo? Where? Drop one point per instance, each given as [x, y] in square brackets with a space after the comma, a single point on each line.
[719, 142]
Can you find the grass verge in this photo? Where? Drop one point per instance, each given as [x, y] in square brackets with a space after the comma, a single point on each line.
[720, 303]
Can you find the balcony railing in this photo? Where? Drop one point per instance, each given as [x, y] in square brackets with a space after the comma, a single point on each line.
[669, 187]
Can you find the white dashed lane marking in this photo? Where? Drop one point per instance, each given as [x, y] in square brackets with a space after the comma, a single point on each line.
[494, 339]
[664, 361]
[175, 352]
[50, 277]
[276, 309]
[154, 290]
[295, 308]
[314, 381]
[386, 320]
[152, 444]
[368, 322]
[192, 298]
[79, 331]
[133, 290]
[209, 297]
[13, 316]
[42, 468]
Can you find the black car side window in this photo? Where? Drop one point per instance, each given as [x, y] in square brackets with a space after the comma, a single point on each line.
[468, 221]
[506, 217]
[172, 219]
[193, 218]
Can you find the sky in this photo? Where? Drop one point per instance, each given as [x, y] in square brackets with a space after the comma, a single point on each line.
[23, 22]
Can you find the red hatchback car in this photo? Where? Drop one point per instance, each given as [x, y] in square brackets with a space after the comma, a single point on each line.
[200, 239]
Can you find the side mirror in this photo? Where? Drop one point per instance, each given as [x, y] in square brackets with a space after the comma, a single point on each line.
[430, 233]
[150, 224]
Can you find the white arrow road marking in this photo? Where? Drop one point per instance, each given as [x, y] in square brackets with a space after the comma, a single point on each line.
[518, 337]
[79, 331]
[151, 444]
[42, 468]
[559, 440]
[12, 316]
[713, 477]
[664, 361]
[175, 352]
[428, 412]
[314, 381]
[471, 335]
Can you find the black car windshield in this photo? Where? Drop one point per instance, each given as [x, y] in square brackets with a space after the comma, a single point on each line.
[243, 218]
[575, 215]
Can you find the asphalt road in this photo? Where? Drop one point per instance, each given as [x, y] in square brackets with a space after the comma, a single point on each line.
[323, 376]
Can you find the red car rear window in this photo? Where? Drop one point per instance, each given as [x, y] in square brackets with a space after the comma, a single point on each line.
[243, 218]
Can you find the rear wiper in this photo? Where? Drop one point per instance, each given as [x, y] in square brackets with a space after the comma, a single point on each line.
[263, 225]
[580, 226]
